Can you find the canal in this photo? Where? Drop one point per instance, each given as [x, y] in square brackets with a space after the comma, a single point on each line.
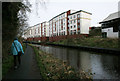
[102, 66]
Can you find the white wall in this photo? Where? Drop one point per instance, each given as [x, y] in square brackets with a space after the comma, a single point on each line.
[110, 33]
[85, 21]
[47, 29]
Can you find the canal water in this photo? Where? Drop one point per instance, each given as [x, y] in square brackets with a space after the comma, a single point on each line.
[102, 66]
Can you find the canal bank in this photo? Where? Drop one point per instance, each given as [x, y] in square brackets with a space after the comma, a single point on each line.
[52, 68]
[86, 48]
[99, 65]
[102, 45]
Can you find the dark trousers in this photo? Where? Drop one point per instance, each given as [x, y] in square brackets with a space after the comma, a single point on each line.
[17, 57]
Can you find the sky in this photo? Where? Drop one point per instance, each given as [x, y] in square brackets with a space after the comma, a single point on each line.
[100, 9]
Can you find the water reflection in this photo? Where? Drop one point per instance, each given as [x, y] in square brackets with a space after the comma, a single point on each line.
[102, 66]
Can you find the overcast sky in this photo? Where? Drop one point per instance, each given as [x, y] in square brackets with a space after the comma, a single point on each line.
[99, 9]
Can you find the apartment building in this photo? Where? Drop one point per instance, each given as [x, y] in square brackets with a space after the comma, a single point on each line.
[79, 22]
[38, 32]
[58, 25]
[68, 24]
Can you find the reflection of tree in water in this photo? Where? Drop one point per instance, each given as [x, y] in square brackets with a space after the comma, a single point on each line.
[68, 57]
[117, 62]
[111, 65]
[78, 60]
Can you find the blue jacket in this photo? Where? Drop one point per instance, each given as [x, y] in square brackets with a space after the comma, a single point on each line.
[18, 46]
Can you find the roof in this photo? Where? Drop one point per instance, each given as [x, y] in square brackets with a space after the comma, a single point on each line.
[58, 15]
[38, 24]
[71, 13]
[80, 11]
[111, 17]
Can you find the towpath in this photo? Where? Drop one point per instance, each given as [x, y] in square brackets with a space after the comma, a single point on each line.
[28, 68]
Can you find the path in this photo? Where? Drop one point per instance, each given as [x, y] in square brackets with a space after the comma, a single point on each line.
[28, 68]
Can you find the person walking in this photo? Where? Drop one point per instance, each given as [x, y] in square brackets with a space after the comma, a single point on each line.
[17, 51]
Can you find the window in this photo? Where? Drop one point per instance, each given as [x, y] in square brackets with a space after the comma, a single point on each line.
[74, 32]
[71, 32]
[71, 17]
[64, 24]
[71, 27]
[74, 16]
[78, 31]
[74, 26]
[74, 21]
[78, 15]
[71, 22]
[68, 25]
[78, 21]
[64, 33]
[78, 26]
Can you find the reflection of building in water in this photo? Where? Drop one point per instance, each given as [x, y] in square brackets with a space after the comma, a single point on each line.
[85, 61]
[73, 58]
[64, 55]
[104, 66]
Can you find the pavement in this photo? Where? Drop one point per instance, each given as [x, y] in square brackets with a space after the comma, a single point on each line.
[28, 68]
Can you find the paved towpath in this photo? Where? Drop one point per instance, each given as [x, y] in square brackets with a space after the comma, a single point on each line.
[28, 68]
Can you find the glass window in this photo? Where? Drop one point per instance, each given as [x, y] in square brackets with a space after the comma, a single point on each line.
[71, 32]
[74, 31]
[78, 15]
[71, 17]
[78, 31]
[71, 26]
[68, 21]
[74, 21]
[78, 26]
[74, 16]
[71, 22]
[74, 26]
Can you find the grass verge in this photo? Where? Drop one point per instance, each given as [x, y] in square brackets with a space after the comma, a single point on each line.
[91, 42]
[52, 68]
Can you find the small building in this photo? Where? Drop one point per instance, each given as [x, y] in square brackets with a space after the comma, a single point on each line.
[111, 26]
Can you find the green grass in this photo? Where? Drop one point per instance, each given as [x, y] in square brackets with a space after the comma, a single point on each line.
[7, 63]
[92, 42]
[53, 68]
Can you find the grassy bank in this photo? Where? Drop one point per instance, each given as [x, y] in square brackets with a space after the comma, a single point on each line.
[53, 68]
[92, 42]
